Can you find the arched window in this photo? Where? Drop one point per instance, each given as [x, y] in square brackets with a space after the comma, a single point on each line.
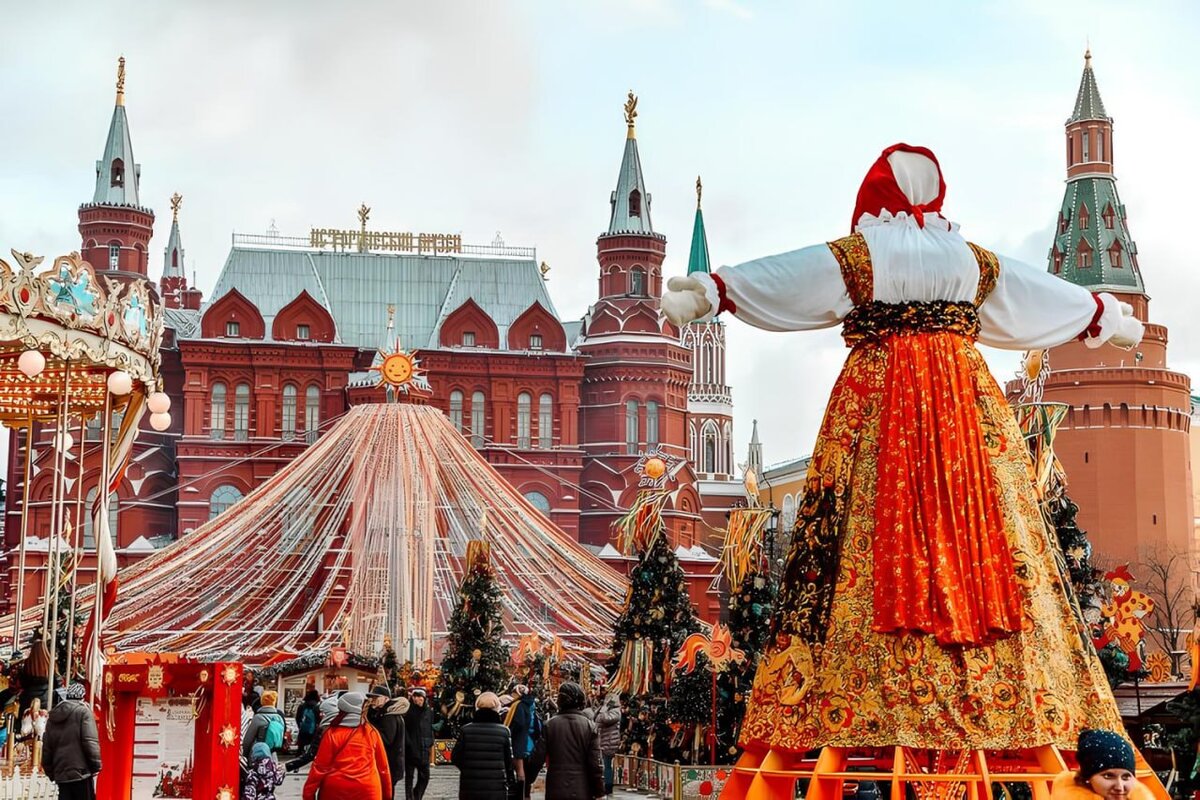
[312, 413]
[637, 282]
[1110, 217]
[298, 517]
[631, 427]
[545, 421]
[539, 501]
[241, 412]
[174, 258]
[456, 410]
[788, 518]
[1114, 254]
[222, 499]
[478, 419]
[710, 452]
[289, 412]
[1086, 141]
[89, 532]
[1058, 259]
[1085, 254]
[1083, 218]
[1100, 146]
[524, 404]
[217, 430]
[114, 255]
[117, 174]
[635, 203]
[651, 424]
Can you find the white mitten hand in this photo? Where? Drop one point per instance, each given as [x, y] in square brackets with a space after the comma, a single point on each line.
[1130, 330]
[684, 301]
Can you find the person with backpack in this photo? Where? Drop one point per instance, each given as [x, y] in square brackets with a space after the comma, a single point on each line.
[263, 775]
[325, 712]
[308, 719]
[351, 763]
[267, 727]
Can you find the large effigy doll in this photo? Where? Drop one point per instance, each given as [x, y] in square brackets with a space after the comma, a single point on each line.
[921, 604]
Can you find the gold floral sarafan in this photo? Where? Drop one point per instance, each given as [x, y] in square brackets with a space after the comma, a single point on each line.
[1011, 667]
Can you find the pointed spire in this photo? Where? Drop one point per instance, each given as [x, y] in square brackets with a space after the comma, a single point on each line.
[698, 258]
[630, 202]
[117, 174]
[173, 254]
[1088, 104]
[754, 459]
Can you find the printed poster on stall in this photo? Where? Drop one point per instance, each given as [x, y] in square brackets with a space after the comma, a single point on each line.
[163, 738]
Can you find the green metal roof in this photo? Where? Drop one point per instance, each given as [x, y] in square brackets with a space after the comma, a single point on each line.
[357, 289]
[1088, 104]
[118, 146]
[1093, 196]
[629, 180]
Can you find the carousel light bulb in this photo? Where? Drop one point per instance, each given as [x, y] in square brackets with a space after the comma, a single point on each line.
[160, 421]
[158, 402]
[31, 362]
[64, 440]
[120, 383]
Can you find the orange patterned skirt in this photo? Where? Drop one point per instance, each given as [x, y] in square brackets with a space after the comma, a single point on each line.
[853, 666]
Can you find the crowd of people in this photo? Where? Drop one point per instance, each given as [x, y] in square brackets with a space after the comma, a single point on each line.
[374, 746]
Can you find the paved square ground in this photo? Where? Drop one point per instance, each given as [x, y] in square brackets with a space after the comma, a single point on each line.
[443, 785]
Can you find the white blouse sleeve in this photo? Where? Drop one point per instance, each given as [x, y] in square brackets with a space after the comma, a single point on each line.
[1030, 308]
[796, 291]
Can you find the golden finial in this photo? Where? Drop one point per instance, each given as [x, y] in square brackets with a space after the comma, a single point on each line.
[363, 214]
[121, 81]
[544, 269]
[631, 112]
[1087, 58]
[699, 190]
[176, 202]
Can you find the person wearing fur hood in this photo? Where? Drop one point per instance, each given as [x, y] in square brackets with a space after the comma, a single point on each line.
[1106, 771]
[387, 715]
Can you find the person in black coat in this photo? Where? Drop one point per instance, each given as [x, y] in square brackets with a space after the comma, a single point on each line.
[418, 727]
[575, 771]
[71, 746]
[483, 754]
[308, 719]
[387, 715]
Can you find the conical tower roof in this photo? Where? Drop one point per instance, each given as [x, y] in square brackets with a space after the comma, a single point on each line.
[362, 536]
[630, 201]
[117, 174]
[173, 266]
[698, 257]
[1088, 104]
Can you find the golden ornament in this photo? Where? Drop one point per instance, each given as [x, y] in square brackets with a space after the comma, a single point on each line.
[655, 468]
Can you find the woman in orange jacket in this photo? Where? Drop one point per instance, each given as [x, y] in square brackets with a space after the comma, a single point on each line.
[351, 763]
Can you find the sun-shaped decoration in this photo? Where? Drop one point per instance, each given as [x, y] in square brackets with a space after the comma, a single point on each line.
[400, 370]
[228, 736]
[656, 468]
[226, 793]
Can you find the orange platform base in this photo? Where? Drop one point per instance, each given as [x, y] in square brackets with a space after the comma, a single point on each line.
[912, 774]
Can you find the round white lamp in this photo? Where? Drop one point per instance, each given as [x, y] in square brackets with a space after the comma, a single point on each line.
[160, 421]
[158, 402]
[120, 383]
[31, 362]
[64, 440]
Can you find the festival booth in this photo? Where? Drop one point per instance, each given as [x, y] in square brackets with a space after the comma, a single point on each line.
[170, 727]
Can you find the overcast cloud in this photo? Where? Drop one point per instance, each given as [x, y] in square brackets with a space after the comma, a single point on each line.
[487, 116]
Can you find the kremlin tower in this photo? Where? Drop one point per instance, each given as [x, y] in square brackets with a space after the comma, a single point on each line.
[1124, 443]
[173, 285]
[710, 401]
[115, 227]
[634, 395]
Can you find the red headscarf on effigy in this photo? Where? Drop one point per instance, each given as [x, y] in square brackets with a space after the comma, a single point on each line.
[881, 190]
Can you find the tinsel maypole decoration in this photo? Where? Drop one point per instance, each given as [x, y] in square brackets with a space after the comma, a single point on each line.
[719, 654]
[476, 658]
[1039, 422]
[657, 617]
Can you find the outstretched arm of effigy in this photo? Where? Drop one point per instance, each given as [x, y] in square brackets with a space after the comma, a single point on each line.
[1030, 308]
[796, 291]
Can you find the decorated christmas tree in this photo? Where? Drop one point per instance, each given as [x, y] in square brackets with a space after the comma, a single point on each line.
[748, 610]
[657, 618]
[476, 660]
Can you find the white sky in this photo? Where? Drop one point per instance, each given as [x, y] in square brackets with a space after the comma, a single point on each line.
[488, 116]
